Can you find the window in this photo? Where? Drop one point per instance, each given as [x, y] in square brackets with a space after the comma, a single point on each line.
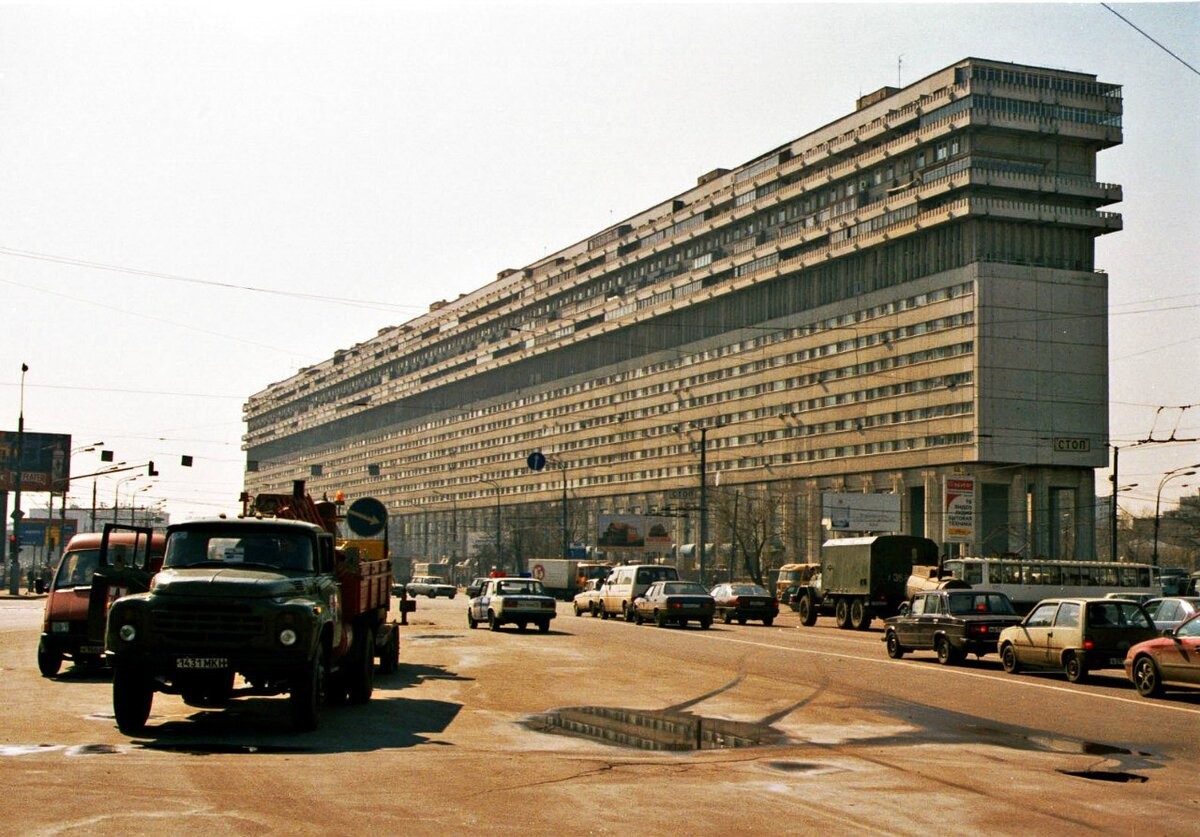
[1068, 615]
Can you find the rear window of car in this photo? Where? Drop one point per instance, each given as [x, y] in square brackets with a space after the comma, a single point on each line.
[963, 603]
[1117, 614]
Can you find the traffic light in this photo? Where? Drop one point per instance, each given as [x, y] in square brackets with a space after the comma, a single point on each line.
[150, 469]
[185, 461]
[106, 456]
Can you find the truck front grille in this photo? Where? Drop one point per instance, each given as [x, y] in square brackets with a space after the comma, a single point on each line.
[208, 626]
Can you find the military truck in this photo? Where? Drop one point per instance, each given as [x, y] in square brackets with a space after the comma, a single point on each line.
[862, 578]
[266, 597]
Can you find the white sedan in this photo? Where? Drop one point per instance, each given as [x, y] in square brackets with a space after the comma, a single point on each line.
[519, 601]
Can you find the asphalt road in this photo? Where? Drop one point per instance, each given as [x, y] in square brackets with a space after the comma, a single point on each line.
[465, 737]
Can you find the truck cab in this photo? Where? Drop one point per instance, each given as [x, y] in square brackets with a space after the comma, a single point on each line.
[269, 600]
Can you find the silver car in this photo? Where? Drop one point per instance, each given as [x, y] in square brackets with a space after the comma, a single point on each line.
[1170, 612]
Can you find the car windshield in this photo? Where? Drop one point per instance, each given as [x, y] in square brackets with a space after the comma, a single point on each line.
[966, 602]
[688, 588]
[77, 568]
[520, 585]
[276, 550]
[748, 590]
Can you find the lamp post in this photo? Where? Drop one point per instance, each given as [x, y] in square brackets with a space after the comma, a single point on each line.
[132, 507]
[1167, 477]
[14, 567]
[117, 494]
[497, 487]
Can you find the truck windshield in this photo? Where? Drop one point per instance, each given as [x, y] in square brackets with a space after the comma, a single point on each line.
[280, 551]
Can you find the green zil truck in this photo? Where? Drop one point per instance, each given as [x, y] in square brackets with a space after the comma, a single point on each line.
[264, 604]
[860, 579]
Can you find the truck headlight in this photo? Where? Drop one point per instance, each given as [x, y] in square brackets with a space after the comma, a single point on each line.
[287, 637]
[127, 632]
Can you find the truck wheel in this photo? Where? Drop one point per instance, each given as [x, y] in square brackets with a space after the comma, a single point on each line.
[308, 693]
[49, 662]
[362, 677]
[133, 694]
[808, 613]
[860, 616]
[389, 657]
[841, 614]
[894, 649]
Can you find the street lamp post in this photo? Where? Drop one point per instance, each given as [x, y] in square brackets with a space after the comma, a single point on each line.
[14, 567]
[1167, 477]
[497, 487]
[132, 506]
[117, 494]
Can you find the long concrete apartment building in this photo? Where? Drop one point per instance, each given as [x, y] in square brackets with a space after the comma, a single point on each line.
[902, 297]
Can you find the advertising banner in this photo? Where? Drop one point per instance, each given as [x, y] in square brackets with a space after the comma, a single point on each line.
[861, 512]
[634, 533]
[45, 458]
[958, 510]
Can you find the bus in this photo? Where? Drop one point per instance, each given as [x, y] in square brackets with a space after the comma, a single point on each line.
[1027, 581]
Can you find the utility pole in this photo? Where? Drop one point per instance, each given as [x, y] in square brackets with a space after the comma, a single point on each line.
[14, 567]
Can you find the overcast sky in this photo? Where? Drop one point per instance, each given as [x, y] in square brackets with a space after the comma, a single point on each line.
[196, 200]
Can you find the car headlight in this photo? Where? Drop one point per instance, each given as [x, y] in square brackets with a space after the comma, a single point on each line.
[287, 637]
[127, 632]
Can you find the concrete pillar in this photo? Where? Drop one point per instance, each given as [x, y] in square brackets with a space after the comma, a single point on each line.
[1018, 521]
[933, 505]
[1085, 517]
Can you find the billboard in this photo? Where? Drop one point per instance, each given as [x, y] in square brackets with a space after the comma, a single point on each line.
[958, 509]
[634, 533]
[861, 512]
[45, 458]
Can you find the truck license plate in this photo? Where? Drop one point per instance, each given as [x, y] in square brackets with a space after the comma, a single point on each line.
[202, 662]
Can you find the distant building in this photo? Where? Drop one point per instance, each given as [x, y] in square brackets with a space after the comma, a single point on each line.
[902, 296]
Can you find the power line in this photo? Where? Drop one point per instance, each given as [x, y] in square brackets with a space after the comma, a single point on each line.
[1150, 39]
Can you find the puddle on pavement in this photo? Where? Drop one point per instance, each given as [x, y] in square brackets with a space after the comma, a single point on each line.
[663, 729]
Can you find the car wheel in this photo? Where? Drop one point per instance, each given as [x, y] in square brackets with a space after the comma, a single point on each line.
[1146, 678]
[945, 651]
[544, 626]
[894, 649]
[133, 695]
[1008, 659]
[741, 620]
[705, 623]
[49, 662]
[659, 619]
[808, 613]
[1075, 669]
[727, 617]
[493, 622]
[768, 621]
[592, 609]
[630, 613]
[521, 626]
[578, 610]
[637, 617]
[841, 614]
[472, 622]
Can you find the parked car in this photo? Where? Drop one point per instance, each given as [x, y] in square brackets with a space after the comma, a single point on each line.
[587, 600]
[674, 601]
[744, 602]
[1076, 635]
[473, 589]
[1172, 658]
[431, 586]
[1140, 598]
[789, 593]
[951, 622]
[1172, 611]
[519, 601]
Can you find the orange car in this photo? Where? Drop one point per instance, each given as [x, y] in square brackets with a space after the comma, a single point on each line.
[65, 619]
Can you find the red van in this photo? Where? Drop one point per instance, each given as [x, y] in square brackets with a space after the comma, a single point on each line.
[65, 632]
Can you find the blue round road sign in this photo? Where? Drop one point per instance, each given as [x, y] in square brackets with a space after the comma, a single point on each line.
[536, 460]
[366, 516]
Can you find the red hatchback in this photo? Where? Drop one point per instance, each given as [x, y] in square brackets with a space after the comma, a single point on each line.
[1172, 658]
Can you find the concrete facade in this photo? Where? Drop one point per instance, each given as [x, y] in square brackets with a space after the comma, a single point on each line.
[904, 295]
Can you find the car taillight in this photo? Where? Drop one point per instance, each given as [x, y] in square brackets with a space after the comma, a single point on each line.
[674, 604]
[1088, 644]
[737, 601]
